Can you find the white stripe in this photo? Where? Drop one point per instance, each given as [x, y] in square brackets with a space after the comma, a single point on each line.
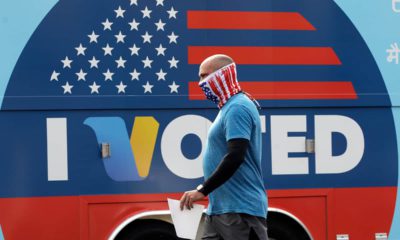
[236, 80]
[57, 150]
[221, 93]
[232, 81]
[225, 85]
[263, 122]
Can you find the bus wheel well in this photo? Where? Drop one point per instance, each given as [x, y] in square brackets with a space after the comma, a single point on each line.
[147, 229]
[283, 226]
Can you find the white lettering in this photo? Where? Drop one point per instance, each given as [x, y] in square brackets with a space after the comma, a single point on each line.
[171, 145]
[57, 150]
[325, 161]
[282, 145]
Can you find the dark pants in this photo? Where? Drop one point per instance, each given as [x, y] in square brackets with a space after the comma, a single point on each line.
[235, 226]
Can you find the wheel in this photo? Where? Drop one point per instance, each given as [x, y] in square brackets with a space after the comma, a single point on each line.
[284, 228]
[148, 230]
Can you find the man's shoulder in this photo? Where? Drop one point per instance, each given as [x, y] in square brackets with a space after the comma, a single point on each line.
[241, 103]
[239, 100]
[241, 111]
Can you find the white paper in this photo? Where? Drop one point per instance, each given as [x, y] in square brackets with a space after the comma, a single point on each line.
[186, 222]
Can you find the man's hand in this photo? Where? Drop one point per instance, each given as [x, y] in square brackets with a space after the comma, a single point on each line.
[189, 198]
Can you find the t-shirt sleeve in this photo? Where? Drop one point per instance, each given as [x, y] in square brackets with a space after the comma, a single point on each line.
[238, 123]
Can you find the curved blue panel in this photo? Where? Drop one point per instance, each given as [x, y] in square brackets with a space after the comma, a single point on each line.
[395, 230]
[121, 165]
[379, 32]
[18, 21]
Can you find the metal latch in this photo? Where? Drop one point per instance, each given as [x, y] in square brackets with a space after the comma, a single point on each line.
[342, 237]
[310, 146]
[380, 236]
[105, 150]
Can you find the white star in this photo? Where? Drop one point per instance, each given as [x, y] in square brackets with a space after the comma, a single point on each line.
[147, 62]
[174, 87]
[120, 12]
[160, 2]
[80, 50]
[81, 75]
[172, 13]
[67, 88]
[146, 12]
[94, 62]
[107, 50]
[120, 37]
[120, 62]
[135, 75]
[160, 25]
[172, 38]
[133, 2]
[147, 87]
[134, 25]
[121, 87]
[161, 50]
[94, 88]
[108, 75]
[107, 25]
[54, 76]
[67, 62]
[134, 50]
[93, 37]
[173, 63]
[161, 75]
[146, 37]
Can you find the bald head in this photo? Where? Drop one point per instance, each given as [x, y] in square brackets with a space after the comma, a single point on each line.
[213, 63]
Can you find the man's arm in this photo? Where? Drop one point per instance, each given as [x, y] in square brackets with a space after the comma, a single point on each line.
[231, 162]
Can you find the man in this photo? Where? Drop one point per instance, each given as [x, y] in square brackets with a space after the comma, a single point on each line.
[232, 159]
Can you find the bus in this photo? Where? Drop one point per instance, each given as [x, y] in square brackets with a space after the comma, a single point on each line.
[102, 118]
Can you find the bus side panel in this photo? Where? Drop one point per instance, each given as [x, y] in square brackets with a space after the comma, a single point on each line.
[395, 230]
[40, 218]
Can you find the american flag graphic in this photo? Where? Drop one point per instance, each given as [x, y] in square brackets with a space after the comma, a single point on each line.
[130, 52]
[146, 53]
[151, 37]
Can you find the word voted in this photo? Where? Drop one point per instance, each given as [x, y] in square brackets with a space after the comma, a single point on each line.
[131, 158]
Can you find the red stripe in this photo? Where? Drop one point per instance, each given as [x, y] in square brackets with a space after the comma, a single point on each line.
[222, 87]
[247, 20]
[289, 90]
[267, 55]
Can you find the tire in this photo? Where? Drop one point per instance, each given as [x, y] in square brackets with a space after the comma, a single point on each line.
[148, 230]
[282, 228]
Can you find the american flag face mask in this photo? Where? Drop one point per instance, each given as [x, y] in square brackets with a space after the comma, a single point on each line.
[221, 85]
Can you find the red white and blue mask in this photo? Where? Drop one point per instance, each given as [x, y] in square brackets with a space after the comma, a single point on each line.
[221, 85]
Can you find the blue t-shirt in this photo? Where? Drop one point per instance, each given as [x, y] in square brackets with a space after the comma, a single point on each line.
[244, 191]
